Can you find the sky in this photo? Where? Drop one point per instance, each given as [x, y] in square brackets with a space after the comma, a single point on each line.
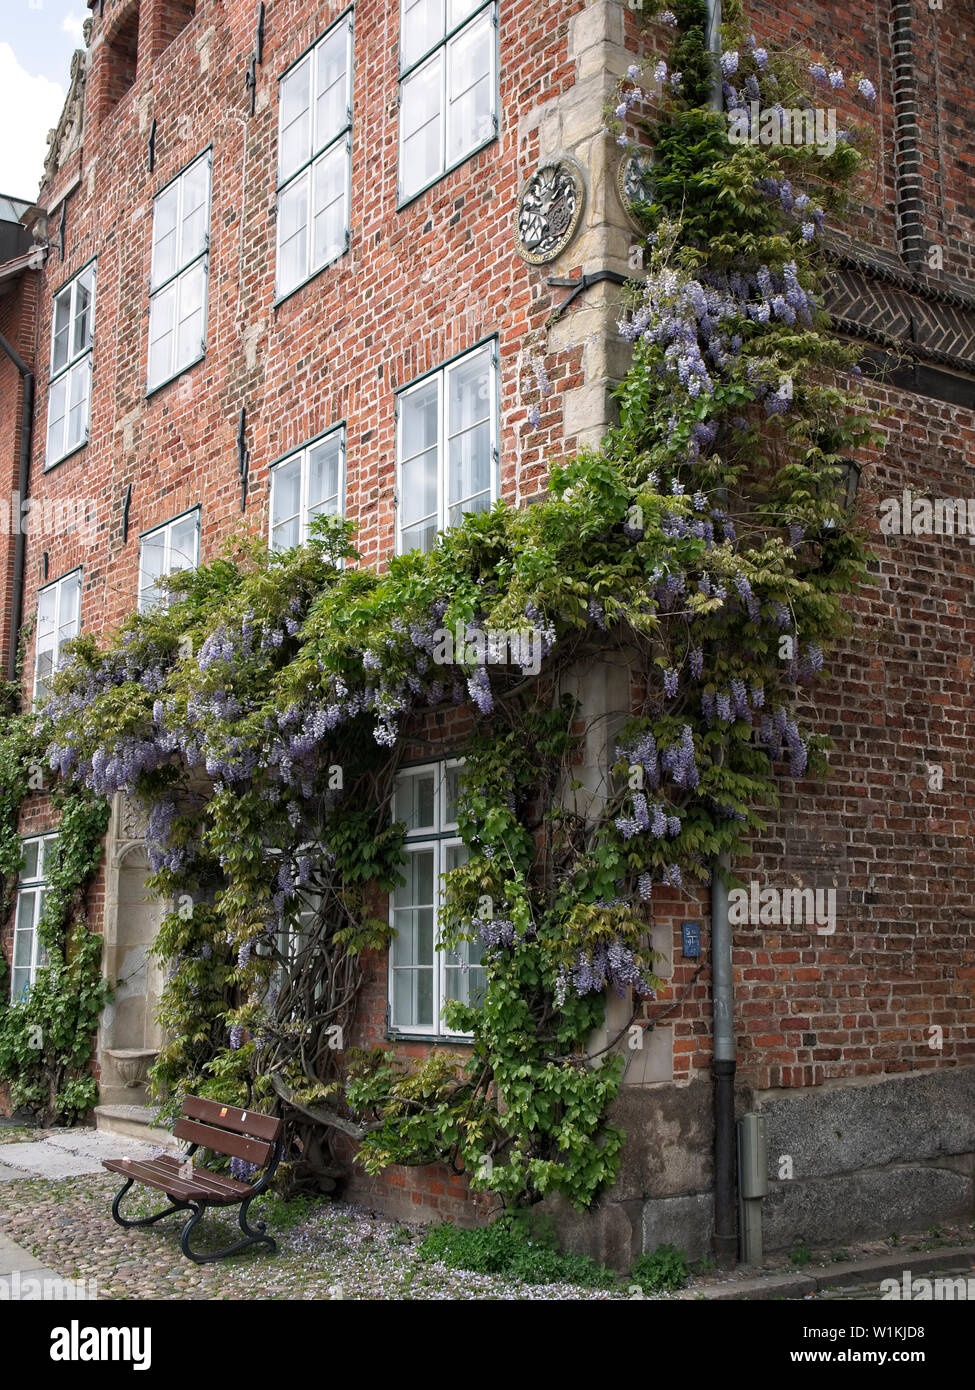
[37, 39]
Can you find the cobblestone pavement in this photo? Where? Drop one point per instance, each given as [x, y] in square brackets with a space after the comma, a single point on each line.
[326, 1249]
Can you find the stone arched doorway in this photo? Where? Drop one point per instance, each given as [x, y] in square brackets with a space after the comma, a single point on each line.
[129, 1036]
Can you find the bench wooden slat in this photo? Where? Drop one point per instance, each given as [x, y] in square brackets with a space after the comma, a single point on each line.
[223, 1141]
[219, 1186]
[162, 1173]
[249, 1122]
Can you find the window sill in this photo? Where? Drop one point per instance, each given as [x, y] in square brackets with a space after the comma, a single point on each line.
[456, 1039]
[450, 169]
[63, 458]
[168, 381]
[289, 294]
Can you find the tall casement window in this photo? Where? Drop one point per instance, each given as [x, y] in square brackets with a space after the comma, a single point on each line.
[314, 158]
[69, 392]
[306, 483]
[28, 956]
[164, 550]
[58, 620]
[180, 267]
[422, 978]
[447, 447]
[448, 86]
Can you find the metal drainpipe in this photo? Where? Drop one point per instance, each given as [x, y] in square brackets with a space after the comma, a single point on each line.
[722, 986]
[723, 1069]
[23, 485]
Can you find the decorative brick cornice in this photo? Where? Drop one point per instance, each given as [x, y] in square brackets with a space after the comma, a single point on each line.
[900, 318]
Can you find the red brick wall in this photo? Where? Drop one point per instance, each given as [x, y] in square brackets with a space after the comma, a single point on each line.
[420, 284]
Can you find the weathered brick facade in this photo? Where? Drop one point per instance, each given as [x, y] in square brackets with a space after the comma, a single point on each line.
[814, 1014]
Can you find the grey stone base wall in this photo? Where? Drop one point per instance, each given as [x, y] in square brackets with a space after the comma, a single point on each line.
[891, 1156]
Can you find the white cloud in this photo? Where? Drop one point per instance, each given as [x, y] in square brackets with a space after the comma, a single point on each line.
[31, 106]
[72, 24]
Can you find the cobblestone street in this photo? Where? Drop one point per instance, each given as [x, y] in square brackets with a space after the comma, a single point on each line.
[55, 1222]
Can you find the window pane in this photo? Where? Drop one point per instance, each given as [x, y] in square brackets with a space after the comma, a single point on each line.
[152, 558]
[68, 611]
[420, 418]
[413, 943]
[332, 96]
[412, 947]
[29, 858]
[189, 329]
[26, 919]
[469, 391]
[82, 312]
[46, 858]
[165, 234]
[78, 392]
[183, 543]
[454, 856]
[418, 502]
[62, 328]
[451, 796]
[293, 235]
[415, 803]
[196, 193]
[413, 998]
[294, 141]
[57, 405]
[329, 207]
[46, 615]
[152, 565]
[323, 477]
[458, 10]
[23, 945]
[285, 491]
[162, 320]
[420, 118]
[470, 88]
[422, 25]
[469, 453]
[285, 535]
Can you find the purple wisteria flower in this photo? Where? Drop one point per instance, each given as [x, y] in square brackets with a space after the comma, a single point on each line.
[866, 89]
[613, 965]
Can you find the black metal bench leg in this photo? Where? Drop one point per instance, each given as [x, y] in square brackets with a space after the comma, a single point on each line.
[256, 1233]
[253, 1236]
[142, 1220]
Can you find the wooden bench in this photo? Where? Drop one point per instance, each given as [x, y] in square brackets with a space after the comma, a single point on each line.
[224, 1129]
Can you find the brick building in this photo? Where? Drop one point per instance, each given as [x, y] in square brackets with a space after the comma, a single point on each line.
[280, 268]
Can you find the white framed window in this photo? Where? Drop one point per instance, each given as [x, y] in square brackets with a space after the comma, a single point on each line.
[314, 158]
[307, 482]
[179, 273]
[58, 621]
[165, 550]
[447, 448]
[448, 87]
[29, 954]
[69, 390]
[423, 976]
